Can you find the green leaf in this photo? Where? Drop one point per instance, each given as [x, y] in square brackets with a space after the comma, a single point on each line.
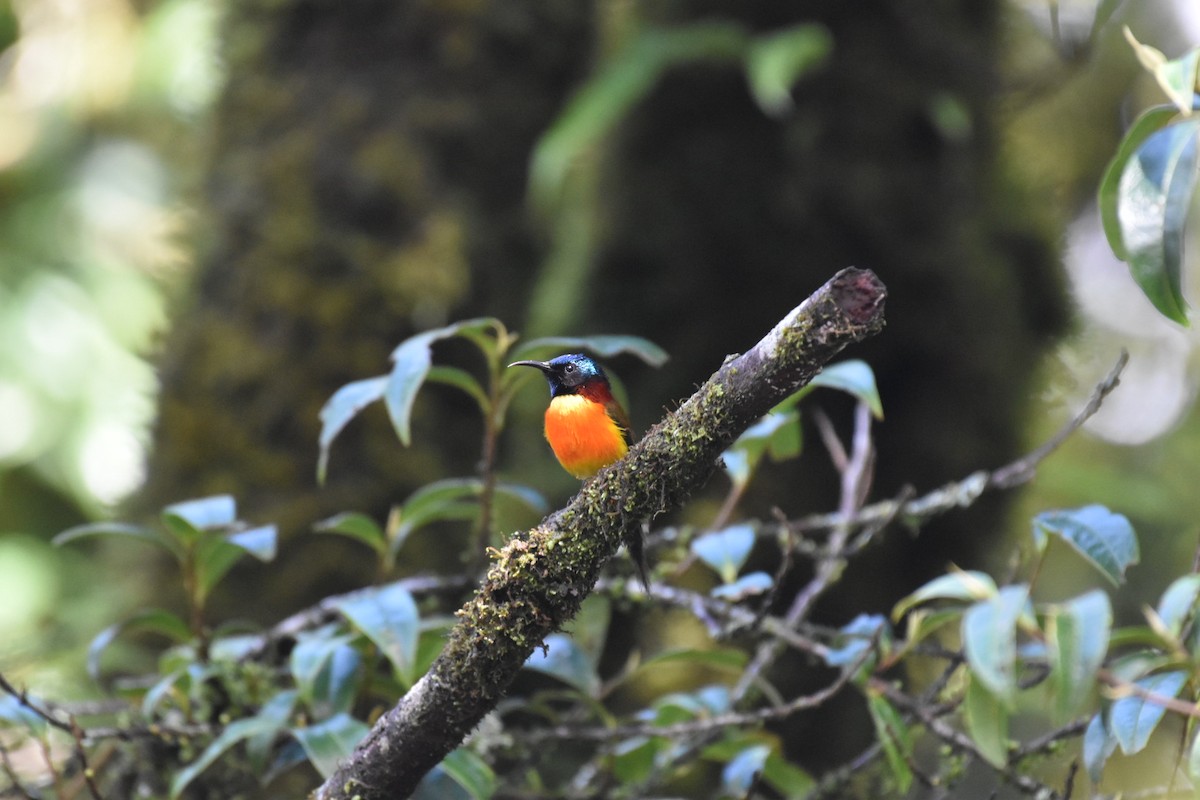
[1193, 764]
[277, 709]
[531, 499]
[963, 586]
[1098, 745]
[1105, 539]
[470, 772]
[777, 60]
[1178, 604]
[187, 519]
[633, 758]
[604, 345]
[1132, 719]
[1077, 637]
[725, 550]
[854, 377]
[118, 529]
[786, 778]
[15, 713]
[217, 553]
[326, 670]
[388, 616]
[356, 526]
[1176, 77]
[567, 661]
[152, 620]
[234, 732]
[749, 585]
[777, 433]
[331, 741]
[989, 633]
[741, 772]
[895, 739]
[725, 659]
[342, 407]
[440, 501]
[854, 638]
[1154, 197]
[621, 82]
[411, 363]
[462, 380]
[987, 723]
[1149, 121]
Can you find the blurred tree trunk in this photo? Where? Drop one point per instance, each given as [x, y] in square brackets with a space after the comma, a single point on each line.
[368, 178]
[367, 168]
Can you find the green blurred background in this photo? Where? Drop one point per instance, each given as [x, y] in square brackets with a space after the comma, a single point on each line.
[250, 205]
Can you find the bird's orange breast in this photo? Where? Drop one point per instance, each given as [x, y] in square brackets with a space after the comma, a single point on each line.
[582, 435]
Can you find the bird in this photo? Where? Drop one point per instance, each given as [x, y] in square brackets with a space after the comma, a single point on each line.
[585, 425]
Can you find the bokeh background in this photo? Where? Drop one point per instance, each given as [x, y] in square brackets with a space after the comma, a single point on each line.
[214, 214]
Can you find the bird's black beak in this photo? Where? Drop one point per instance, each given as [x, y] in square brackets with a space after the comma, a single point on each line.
[542, 365]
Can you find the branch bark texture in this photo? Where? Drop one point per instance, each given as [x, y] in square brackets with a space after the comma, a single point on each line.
[541, 576]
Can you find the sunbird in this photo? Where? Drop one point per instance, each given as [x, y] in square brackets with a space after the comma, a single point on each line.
[585, 425]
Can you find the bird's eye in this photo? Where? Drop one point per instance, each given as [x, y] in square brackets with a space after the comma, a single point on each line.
[569, 368]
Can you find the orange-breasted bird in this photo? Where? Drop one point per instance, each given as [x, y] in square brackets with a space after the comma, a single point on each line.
[585, 425]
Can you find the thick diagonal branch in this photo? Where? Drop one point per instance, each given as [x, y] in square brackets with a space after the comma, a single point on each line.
[539, 579]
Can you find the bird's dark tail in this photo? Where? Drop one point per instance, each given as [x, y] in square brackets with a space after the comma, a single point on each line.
[636, 545]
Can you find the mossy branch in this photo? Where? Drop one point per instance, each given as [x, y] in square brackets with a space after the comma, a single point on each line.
[539, 579]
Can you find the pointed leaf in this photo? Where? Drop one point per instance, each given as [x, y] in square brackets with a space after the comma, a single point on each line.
[470, 772]
[725, 550]
[854, 377]
[1103, 538]
[531, 499]
[1178, 604]
[277, 709]
[749, 585]
[342, 407]
[118, 529]
[1077, 638]
[462, 380]
[854, 638]
[388, 616]
[1155, 194]
[1132, 719]
[355, 526]
[989, 632]
[742, 771]
[186, 519]
[462, 775]
[233, 733]
[1148, 122]
[325, 669]
[987, 723]
[565, 660]
[1098, 745]
[411, 362]
[605, 346]
[331, 741]
[14, 712]
[961, 585]
[1176, 77]
[152, 620]
[776, 61]
[259, 542]
[894, 737]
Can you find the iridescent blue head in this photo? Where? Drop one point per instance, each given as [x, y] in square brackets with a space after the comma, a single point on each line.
[567, 373]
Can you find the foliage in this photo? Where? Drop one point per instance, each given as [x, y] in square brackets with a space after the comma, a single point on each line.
[1146, 191]
[237, 707]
